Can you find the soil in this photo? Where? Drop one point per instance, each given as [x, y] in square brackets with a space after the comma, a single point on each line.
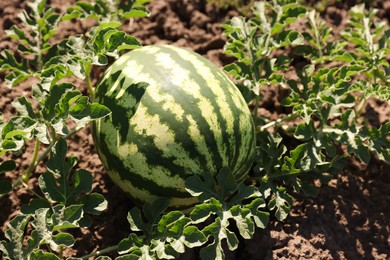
[348, 220]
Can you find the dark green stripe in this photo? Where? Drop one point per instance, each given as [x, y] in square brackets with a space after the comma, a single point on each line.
[241, 167]
[237, 112]
[232, 148]
[153, 155]
[160, 75]
[115, 163]
[119, 112]
[194, 110]
[182, 137]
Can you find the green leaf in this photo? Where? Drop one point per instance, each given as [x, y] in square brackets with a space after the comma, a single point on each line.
[40, 255]
[160, 250]
[47, 231]
[206, 186]
[80, 9]
[153, 210]
[19, 71]
[135, 220]
[203, 186]
[10, 145]
[85, 221]
[66, 101]
[269, 143]
[83, 111]
[94, 203]
[101, 258]
[14, 133]
[378, 141]
[261, 218]
[193, 237]
[201, 212]
[7, 166]
[82, 182]
[136, 13]
[232, 240]
[174, 227]
[5, 187]
[14, 247]
[226, 181]
[67, 217]
[52, 102]
[245, 192]
[281, 202]
[305, 131]
[309, 189]
[50, 188]
[292, 165]
[168, 220]
[64, 239]
[213, 250]
[110, 41]
[24, 107]
[132, 243]
[64, 185]
[34, 205]
[42, 133]
[16, 33]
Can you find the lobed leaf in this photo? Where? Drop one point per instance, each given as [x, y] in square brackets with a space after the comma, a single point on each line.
[18, 71]
[281, 203]
[14, 247]
[6, 166]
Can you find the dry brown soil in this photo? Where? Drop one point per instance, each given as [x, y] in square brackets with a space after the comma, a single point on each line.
[348, 220]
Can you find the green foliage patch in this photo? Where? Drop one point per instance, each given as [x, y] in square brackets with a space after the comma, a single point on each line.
[323, 128]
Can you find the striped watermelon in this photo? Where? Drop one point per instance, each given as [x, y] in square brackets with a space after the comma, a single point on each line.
[174, 114]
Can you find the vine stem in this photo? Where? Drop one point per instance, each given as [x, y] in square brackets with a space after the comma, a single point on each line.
[312, 20]
[31, 190]
[36, 159]
[258, 71]
[88, 68]
[61, 252]
[26, 176]
[279, 120]
[45, 153]
[361, 106]
[276, 176]
[257, 100]
[100, 252]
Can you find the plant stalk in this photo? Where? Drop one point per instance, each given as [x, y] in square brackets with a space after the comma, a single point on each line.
[360, 107]
[61, 252]
[88, 69]
[36, 159]
[31, 190]
[257, 73]
[312, 20]
[276, 176]
[100, 252]
[34, 162]
[279, 120]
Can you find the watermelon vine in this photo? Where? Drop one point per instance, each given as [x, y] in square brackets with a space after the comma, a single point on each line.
[174, 132]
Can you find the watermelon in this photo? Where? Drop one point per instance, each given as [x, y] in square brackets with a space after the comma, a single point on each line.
[174, 114]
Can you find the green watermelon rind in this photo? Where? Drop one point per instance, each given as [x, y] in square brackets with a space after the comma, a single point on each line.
[174, 114]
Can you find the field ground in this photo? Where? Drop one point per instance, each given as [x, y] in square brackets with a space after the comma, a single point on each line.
[348, 220]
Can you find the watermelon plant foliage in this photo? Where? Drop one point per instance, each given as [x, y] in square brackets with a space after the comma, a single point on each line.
[322, 127]
[325, 99]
